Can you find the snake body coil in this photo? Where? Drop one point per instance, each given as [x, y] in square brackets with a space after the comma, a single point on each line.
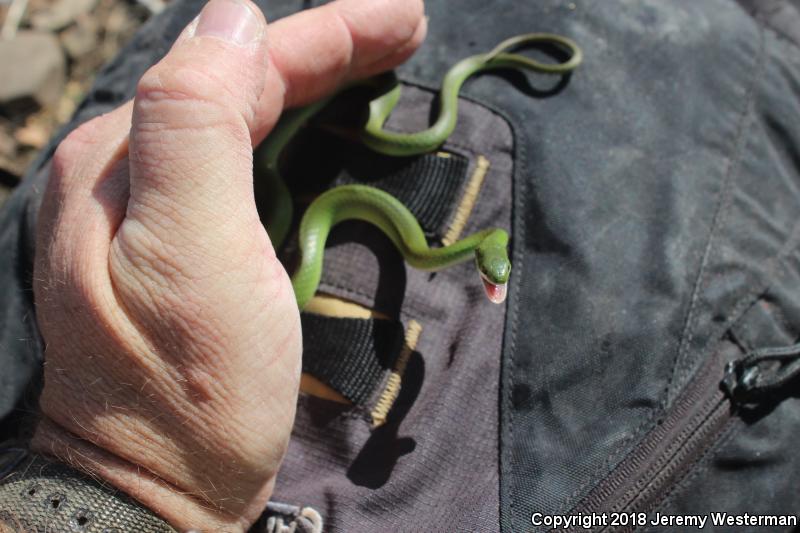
[406, 144]
[360, 202]
[488, 247]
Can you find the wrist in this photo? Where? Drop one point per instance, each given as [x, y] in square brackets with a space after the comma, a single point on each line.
[38, 493]
[177, 504]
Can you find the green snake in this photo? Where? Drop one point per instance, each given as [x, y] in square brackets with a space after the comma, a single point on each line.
[361, 202]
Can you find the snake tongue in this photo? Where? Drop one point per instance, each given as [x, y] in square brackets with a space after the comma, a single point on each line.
[495, 292]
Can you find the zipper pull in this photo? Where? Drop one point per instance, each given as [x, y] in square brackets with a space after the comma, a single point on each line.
[760, 373]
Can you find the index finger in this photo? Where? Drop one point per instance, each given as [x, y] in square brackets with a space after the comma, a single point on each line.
[361, 38]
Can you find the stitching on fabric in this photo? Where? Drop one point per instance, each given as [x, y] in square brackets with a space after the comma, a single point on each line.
[394, 383]
[347, 290]
[355, 294]
[356, 411]
[769, 15]
[648, 423]
[732, 428]
[519, 191]
[776, 317]
[780, 316]
[718, 220]
[753, 14]
[741, 341]
[778, 263]
[779, 35]
[468, 200]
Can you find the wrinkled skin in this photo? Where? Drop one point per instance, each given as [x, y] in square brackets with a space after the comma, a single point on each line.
[173, 336]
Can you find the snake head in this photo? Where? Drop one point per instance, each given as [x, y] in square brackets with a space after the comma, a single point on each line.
[494, 269]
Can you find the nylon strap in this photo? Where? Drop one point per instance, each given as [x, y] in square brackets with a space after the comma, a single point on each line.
[427, 185]
[351, 355]
[38, 495]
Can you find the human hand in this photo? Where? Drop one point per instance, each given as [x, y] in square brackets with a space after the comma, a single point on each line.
[172, 333]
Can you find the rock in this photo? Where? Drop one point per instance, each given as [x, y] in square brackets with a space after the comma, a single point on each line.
[32, 134]
[80, 39]
[70, 98]
[8, 146]
[32, 67]
[153, 6]
[118, 20]
[61, 14]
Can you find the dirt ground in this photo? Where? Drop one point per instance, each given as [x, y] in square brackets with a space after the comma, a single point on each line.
[50, 51]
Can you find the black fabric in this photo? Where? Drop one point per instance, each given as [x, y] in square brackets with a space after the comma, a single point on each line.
[427, 185]
[655, 199]
[433, 465]
[351, 355]
[779, 15]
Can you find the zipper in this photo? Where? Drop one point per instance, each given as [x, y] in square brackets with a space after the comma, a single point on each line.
[761, 373]
[679, 439]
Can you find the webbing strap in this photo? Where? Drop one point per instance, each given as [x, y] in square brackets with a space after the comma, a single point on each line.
[350, 355]
[427, 185]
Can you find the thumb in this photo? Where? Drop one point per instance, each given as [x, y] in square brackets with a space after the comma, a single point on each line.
[190, 144]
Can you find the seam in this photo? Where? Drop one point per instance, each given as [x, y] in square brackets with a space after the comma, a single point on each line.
[767, 15]
[394, 383]
[350, 292]
[468, 200]
[647, 424]
[779, 315]
[780, 36]
[717, 222]
[779, 262]
[743, 343]
[519, 191]
[776, 264]
[776, 317]
[757, 11]
[722, 204]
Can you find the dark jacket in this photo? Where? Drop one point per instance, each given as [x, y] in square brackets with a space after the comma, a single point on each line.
[652, 200]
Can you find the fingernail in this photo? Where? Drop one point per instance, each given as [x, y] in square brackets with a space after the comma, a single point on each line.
[229, 20]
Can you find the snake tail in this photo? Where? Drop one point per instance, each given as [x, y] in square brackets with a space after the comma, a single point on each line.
[407, 144]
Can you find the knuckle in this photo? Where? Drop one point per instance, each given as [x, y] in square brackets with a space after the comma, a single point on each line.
[347, 50]
[74, 148]
[164, 83]
[185, 98]
[155, 83]
[416, 15]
